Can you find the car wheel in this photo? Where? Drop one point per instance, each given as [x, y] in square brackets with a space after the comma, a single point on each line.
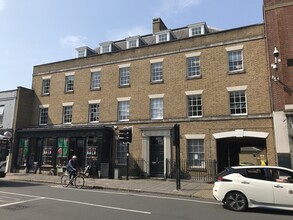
[236, 201]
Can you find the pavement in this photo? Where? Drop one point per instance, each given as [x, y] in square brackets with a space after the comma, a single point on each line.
[157, 186]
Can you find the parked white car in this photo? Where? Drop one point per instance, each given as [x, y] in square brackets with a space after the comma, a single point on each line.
[245, 187]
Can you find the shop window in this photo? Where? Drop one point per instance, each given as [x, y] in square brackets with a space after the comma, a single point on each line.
[62, 151]
[22, 151]
[48, 149]
[91, 150]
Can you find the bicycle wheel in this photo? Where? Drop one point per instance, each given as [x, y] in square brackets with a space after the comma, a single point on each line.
[65, 180]
[79, 182]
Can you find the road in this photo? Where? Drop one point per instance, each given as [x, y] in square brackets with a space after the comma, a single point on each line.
[22, 200]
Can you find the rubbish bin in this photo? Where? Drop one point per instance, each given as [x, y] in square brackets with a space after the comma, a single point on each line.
[116, 173]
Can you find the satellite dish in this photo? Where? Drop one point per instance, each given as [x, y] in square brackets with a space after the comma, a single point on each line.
[7, 134]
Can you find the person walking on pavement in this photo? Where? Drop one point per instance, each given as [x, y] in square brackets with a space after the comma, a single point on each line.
[72, 167]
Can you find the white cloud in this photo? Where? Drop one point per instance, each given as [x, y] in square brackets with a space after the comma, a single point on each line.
[175, 6]
[2, 4]
[73, 41]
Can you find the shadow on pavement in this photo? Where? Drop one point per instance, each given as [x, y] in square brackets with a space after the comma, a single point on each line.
[17, 184]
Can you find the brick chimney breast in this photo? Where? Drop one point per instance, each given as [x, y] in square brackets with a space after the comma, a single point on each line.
[158, 25]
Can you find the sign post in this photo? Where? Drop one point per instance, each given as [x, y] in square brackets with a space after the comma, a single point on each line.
[177, 145]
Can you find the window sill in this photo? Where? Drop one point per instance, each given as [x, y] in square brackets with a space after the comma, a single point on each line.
[124, 86]
[125, 120]
[68, 92]
[67, 124]
[193, 77]
[157, 82]
[235, 115]
[195, 117]
[48, 94]
[94, 122]
[96, 89]
[236, 72]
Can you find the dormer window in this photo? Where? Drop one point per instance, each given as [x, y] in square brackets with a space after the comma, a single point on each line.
[163, 36]
[132, 42]
[106, 48]
[81, 53]
[84, 51]
[197, 29]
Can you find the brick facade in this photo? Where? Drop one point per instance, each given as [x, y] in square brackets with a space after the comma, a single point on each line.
[214, 82]
[278, 17]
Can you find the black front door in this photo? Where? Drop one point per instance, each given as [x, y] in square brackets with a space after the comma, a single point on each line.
[157, 156]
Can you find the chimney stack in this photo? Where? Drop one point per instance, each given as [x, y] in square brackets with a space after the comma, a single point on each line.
[158, 25]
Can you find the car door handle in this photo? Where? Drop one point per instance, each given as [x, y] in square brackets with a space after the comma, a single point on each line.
[245, 182]
[278, 186]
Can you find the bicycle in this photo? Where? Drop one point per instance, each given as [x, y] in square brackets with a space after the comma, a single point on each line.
[77, 181]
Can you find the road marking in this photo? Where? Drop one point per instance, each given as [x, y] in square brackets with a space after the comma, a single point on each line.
[101, 206]
[68, 201]
[19, 202]
[141, 195]
[7, 199]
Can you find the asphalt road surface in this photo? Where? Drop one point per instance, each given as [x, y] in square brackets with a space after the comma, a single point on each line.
[22, 200]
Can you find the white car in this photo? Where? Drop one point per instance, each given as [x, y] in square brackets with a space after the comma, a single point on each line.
[245, 187]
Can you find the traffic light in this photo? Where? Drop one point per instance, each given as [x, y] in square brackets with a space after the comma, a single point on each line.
[125, 135]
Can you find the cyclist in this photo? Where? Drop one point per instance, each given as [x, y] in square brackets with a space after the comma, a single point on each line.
[72, 167]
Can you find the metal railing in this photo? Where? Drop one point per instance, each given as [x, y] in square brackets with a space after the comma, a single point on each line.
[203, 171]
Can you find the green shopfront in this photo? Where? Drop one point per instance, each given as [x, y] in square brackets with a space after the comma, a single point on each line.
[48, 150]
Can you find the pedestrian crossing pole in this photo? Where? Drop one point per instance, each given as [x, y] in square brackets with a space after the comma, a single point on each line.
[177, 145]
[127, 162]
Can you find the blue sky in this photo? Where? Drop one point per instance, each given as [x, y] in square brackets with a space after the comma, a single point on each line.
[34, 32]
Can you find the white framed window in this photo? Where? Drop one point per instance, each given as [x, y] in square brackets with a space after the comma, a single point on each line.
[193, 67]
[197, 29]
[156, 108]
[123, 110]
[157, 72]
[163, 36]
[43, 115]
[235, 58]
[69, 83]
[2, 107]
[67, 114]
[81, 53]
[132, 43]
[95, 80]
[106, 47]
[238, 105]
[235, 61]
[121, 153]
[46, 87]
[124, 76]
[194, 106]
[195, 149]
[94, 112]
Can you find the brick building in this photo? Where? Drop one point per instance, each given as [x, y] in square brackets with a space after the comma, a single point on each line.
[213, 83]
[15, 106]
[278, 17]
